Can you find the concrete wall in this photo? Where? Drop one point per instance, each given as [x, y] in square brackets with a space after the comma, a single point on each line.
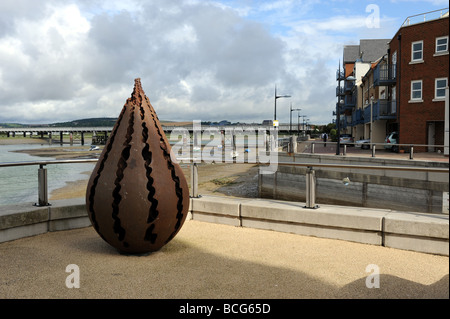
[426, 233]
[24, 220]
[399, 190]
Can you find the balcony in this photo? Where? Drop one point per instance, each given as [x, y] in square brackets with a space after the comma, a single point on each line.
[357, 117]
[382, 110]
[348, 86]
[340, 75]
[384, 74]
[339, 91]
[348, 102]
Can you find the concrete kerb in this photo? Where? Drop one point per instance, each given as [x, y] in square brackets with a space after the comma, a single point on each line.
[25, 220]
[428, 233]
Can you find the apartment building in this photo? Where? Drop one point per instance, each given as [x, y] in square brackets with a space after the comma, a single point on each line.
[357, 60]
[404, 89]
[421, 53]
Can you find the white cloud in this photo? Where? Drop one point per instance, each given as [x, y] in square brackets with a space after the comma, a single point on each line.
[208, 60]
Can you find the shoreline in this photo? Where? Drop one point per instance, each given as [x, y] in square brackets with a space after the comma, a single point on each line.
[235, 180]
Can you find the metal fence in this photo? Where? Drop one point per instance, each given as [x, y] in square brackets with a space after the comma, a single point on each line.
[407, 148]
[310, 175]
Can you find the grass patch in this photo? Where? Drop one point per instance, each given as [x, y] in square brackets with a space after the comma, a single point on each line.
[224, 181]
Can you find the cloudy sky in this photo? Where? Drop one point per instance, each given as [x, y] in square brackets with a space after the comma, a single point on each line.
[197, 60]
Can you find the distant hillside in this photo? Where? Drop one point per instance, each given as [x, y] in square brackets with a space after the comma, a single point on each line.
[92, 122]
[12, 125]
[100, 121]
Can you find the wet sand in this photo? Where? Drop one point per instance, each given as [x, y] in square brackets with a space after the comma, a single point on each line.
[239, 180]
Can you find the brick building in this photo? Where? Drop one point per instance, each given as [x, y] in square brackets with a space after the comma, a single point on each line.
[420, 53]
[404, 87]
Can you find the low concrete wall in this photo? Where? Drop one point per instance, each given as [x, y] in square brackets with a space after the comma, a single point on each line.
[426, 233]
[24, 220]
[398, 190]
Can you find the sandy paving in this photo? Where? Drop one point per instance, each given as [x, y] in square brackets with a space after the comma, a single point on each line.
[217, 261]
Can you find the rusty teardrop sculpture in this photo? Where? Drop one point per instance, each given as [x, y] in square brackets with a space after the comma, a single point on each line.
[137, 198]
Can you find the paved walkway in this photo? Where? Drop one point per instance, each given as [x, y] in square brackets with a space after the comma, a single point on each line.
[218, 261]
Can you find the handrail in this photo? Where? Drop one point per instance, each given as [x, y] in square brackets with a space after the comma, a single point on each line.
[48, 162]
[376, 167]
[373, 146]
[408, 19]
[42, 174]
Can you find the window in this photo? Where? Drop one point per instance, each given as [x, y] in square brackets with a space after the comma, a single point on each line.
[416, 91]
[442, 44]
[440, 85]
[417, 51]
[394, 64]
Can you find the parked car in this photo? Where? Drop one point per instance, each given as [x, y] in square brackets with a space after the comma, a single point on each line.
[364, 144]
[390, 141]
[346, 139]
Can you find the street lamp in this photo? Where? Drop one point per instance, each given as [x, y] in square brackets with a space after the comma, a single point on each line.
[290, 119]
[277, 97]
[304, 134]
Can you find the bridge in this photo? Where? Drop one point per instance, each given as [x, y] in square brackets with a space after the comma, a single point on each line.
[102, 133]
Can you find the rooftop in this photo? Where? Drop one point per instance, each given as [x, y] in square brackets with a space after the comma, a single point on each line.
[368, 50]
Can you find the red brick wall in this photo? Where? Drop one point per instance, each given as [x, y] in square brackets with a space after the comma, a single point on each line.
[412, 117]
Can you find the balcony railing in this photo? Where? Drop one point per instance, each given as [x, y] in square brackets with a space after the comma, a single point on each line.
[357, 117]
[340, 75]
[384, 74]
[348, 86]
[349, 101]
[339, 91]
[381, 110]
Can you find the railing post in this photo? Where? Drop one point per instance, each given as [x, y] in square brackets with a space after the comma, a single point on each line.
[194, 180]
[345, 150]
[42, 187]
[373, 150]
[411, 153]
[311, 188]
[312, 148]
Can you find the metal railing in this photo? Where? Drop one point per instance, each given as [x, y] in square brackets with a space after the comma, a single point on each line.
[194, 193]
[373, 147]
[42, 174]
[426, 16]
[311, 179]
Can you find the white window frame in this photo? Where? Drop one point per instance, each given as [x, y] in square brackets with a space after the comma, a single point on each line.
[417, 99]
[436, 97]
[412, 52]
[436, 46]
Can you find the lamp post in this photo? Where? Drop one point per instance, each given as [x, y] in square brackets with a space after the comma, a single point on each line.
[290, 119]
[275, 107]
[304, 134]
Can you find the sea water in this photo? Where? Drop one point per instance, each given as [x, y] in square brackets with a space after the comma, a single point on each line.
[19, 184]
